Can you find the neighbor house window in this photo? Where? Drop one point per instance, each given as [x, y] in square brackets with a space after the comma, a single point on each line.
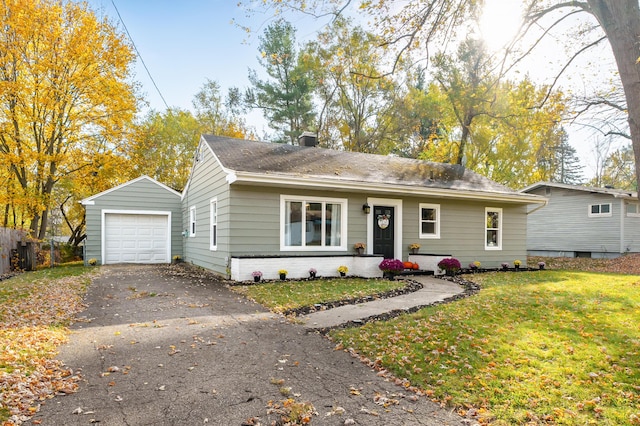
[310, 223]
[429, 220]
[192, 221]
[633, 209]
[493, 228]
[213, 232]
[600, 210]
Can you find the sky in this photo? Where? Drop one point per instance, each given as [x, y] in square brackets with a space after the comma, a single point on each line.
[184, 43]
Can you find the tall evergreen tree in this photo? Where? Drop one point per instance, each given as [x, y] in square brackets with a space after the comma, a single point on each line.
[284, 98]
[566, 167]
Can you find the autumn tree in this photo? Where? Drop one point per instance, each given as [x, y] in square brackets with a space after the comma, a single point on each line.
[162, 143]
[417, 25]
[162, 146]
[218, 115]
[285, 98]
[356, 113]
[65, 96]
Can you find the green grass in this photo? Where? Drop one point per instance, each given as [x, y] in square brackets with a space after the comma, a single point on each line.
[557, 347]
[288, 295]
[24, 284]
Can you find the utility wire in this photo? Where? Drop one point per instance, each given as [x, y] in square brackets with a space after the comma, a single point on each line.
[138, 53]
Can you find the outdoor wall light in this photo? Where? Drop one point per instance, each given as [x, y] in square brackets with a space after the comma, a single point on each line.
[366, 208]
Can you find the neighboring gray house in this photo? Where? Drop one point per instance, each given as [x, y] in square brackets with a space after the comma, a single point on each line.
[262, 206]
[137, 222]
[579, 221]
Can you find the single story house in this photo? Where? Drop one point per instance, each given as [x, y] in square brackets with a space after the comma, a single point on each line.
[580, 221]
[263, 206]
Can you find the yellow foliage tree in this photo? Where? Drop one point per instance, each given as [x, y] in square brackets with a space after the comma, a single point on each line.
[65, 97]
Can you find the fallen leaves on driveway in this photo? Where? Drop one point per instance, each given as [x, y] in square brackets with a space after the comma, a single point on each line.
[33, 320]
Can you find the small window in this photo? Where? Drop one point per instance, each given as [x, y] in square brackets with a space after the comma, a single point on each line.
[213, 233]
[633, 209]
[192, 221]
[600, 210]
[493, 229]
[429, 220]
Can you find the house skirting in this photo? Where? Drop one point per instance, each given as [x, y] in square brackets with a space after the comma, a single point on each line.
[298, 266]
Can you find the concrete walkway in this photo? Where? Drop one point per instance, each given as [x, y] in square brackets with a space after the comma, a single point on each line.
[434, 290]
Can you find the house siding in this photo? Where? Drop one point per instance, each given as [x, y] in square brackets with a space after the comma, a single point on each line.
[462, 231]
[255, 228]
[631, 232]
[564, 227]
[208, 181]
[137, 197]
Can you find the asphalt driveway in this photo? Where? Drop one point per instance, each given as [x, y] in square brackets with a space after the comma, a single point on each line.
[166, 346]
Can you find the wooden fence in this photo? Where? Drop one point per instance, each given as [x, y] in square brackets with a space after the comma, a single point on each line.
[13, 243]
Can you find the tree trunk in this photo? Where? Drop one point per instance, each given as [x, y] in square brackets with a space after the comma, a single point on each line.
[620, 20]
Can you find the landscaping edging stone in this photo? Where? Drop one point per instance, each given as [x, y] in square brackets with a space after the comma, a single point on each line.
[470, 288]
[409, 288]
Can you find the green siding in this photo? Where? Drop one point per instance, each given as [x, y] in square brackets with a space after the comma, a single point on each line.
[137, 196]
[208, 181]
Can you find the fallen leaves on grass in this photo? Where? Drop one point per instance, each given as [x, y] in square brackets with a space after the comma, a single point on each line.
[33, 323]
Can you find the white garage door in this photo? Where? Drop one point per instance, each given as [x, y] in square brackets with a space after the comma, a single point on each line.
[136, 238]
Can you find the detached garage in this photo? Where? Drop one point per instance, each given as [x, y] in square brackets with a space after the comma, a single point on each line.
[136, 222]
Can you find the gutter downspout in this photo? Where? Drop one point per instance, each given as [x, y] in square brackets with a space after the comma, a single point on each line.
[546, 201]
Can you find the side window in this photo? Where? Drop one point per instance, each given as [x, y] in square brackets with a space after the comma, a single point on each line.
[633, 209]
[192, 221]
[213, 232]
[493, 229]
[429, 220]
[600, 210]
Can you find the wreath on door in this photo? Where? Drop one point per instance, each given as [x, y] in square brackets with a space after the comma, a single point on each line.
[383, 221]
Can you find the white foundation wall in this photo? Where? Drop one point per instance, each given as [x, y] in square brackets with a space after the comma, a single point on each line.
[298, 267]
[429, 262]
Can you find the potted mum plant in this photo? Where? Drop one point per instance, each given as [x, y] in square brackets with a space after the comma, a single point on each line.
[541, 265]
[516, 264]
[391, 267]
[283, 274]
[450, 265]
[312, 273]
[474, 266]
[342, 269]
[414, 248]
[257, 276]
[359, 248]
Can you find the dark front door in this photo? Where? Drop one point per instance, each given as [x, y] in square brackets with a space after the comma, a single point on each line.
[383, 234]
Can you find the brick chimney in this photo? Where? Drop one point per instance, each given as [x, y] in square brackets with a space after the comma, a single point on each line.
[308, 139]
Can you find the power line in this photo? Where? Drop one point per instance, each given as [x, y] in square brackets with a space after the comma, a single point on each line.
[138, 54]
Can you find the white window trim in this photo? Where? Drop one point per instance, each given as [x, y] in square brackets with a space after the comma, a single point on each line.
[192, 221]
[436, 207]
[637, 214]
[343, 223]
[213, 223]
[600, 214]
[498, 210]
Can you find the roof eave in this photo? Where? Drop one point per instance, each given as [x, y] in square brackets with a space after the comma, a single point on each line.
[247, 178]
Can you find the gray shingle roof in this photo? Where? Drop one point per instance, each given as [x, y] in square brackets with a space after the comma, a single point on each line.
[280, 159]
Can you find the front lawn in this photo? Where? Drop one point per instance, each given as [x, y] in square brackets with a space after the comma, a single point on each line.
[283, 296]
[35, 308]
[555, 347]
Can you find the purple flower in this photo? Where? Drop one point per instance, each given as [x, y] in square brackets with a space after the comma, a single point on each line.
[256, 274]
[391, 265]
[449, 264]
